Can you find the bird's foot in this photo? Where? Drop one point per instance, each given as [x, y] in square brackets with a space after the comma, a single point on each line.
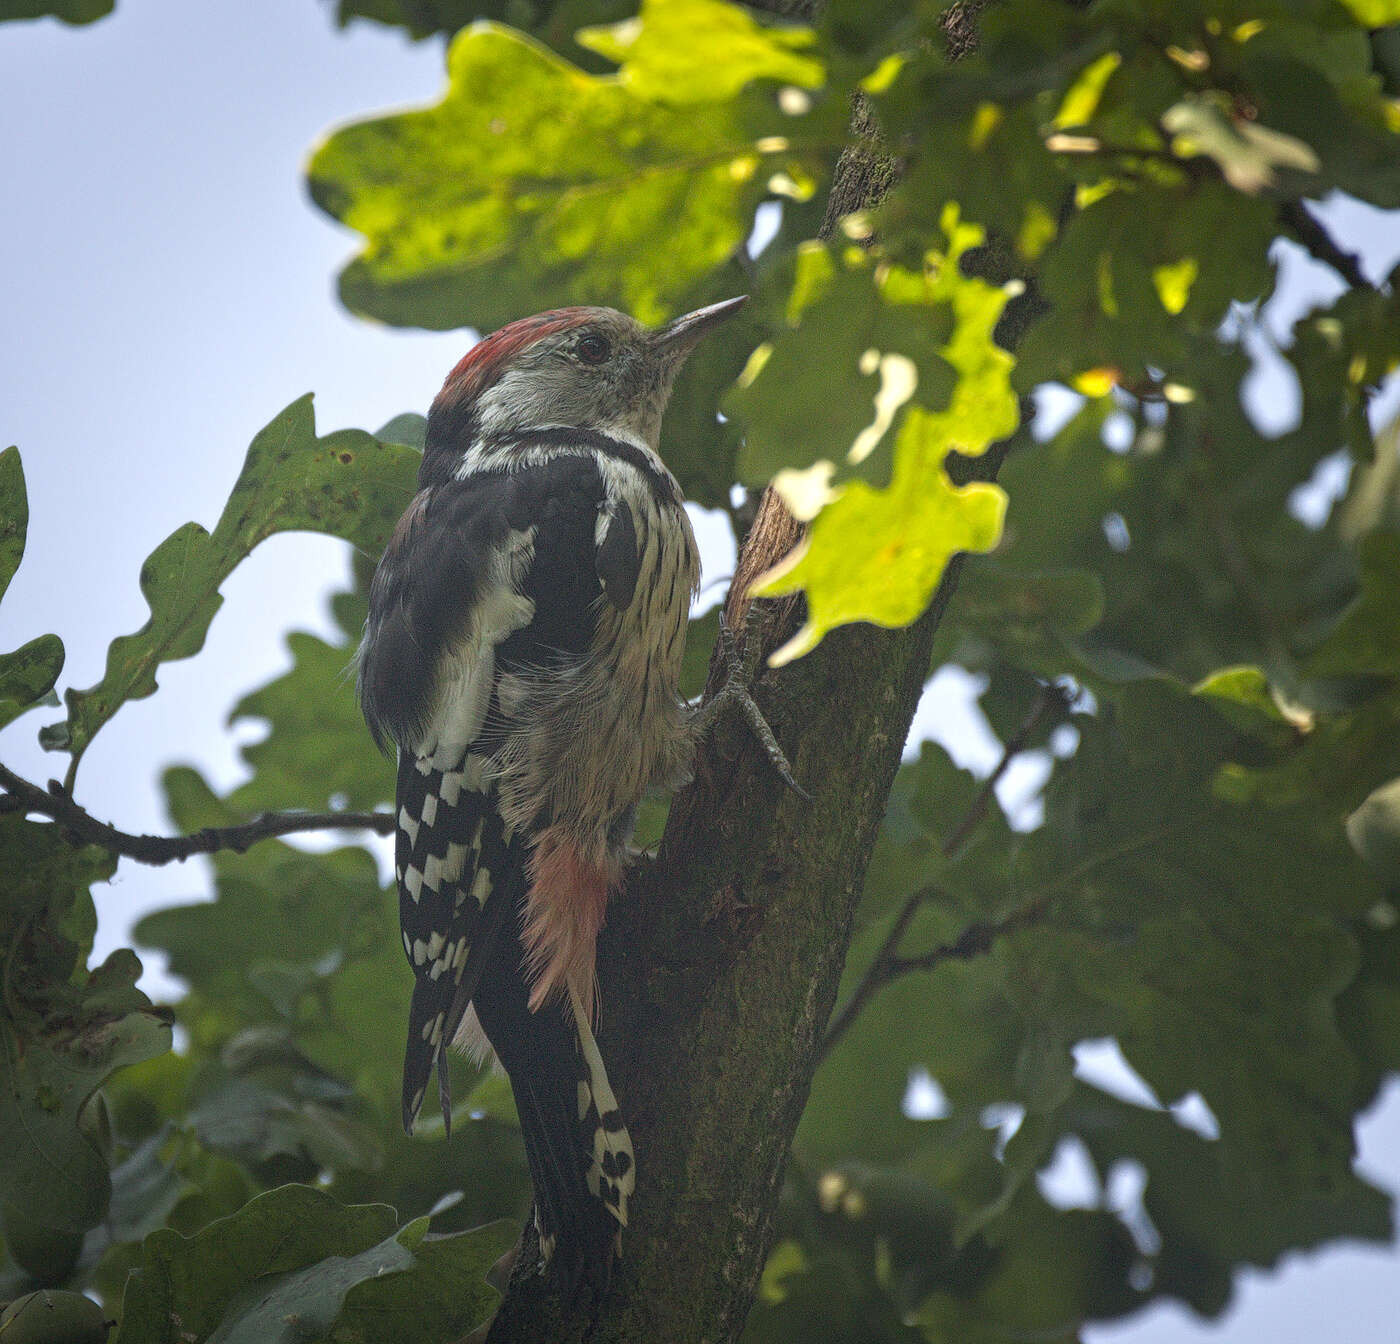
[735, 694]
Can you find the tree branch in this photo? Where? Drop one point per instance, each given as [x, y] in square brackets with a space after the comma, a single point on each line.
[977, 938]
[54, 802]
[974, 941]
[879, 972]
[1307, 230]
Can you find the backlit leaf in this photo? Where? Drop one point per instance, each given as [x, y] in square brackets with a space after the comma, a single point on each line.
[533, 184]
[877, 555]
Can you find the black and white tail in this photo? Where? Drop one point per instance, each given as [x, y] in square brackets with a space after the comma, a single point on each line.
[462, 898]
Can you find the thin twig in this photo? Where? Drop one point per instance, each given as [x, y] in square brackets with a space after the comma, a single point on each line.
[977, 938]
[1051, 696]
[54, 802]
[1308, 231]
[877, 972]
[974, 941]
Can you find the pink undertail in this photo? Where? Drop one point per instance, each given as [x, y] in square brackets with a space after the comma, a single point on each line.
[564, 910]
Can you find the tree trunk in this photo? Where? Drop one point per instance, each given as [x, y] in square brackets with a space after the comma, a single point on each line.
[719, 969]
[720, 961]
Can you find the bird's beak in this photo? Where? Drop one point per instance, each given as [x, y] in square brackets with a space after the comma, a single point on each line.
[680, 337]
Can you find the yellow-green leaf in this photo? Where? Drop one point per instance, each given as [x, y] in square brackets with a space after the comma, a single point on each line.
[534, 183]
[1082, 100]
[697, 51]
[877, 555]
[1374, 13]
[866, 341]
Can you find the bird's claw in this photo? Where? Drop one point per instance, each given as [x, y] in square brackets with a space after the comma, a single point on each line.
[735, 692]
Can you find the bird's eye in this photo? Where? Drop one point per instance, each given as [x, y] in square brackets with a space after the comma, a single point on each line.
[593, 348]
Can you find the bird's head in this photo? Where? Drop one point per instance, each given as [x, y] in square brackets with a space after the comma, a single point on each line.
[582, 368]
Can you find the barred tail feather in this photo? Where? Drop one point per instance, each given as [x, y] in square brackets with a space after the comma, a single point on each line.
[612, 1165]
[459, 880]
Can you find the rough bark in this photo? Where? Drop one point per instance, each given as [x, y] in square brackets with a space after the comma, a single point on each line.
[719, 970]
[721, 959]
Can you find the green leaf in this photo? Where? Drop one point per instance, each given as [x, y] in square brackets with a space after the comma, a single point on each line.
[1027, 608]
[53, 1318]
[1218, 940]
[14, 515]
[347, 484]
[186, 1284]
[408, 427]
[316, 753]
[442, 1297]
[1367, 638]
[49, 1068]
[702, 51]
[308, 1301]
[44, 876]
[1374, 13]
[860, 345]
[295, 1263]
[593, 192]
[70, 11]
[1374, 831]
[310, 940]
[877, 555]
[1117, 279]
[552, 21]
[28, 674]
[1245, 699]
[888, 336]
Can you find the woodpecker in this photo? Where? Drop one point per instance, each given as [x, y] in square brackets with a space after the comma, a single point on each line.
[522, 652]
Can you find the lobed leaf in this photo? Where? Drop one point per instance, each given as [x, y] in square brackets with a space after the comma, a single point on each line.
[702, 51]
[27, 675]
[64, 1032]
[294, 1263]
[877, 555]
[347, 484]
[533, 184]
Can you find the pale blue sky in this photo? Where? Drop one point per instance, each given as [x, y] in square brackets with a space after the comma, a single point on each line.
[167, 289]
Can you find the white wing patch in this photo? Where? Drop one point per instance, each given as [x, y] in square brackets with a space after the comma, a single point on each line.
[466, 673]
